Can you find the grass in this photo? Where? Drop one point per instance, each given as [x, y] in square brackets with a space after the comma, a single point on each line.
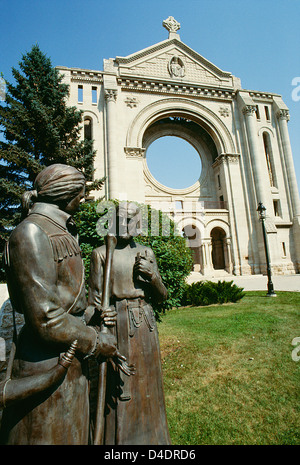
[229, 376]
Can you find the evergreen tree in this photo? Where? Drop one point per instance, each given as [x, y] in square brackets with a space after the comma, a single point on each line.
[39, 129]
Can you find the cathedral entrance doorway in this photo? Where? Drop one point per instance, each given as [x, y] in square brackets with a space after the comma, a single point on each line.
[218, 237]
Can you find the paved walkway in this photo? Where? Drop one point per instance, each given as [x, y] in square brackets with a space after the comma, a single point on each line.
[254, 283]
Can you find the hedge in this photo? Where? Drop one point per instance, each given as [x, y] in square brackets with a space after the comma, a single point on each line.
[204, 293]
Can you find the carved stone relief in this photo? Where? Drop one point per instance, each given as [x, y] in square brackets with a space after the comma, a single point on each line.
[224, 111]
[134, 152]
[131, 102]
[176, 67]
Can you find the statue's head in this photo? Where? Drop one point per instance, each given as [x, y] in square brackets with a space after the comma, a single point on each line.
[59, 184]
[127, 220]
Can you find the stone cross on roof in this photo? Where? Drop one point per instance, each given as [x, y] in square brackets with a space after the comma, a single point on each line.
[172, 26]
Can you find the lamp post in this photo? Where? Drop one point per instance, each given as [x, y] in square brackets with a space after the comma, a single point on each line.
[262, 216]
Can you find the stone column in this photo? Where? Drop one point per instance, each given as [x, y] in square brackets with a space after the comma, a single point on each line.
[262, 188]
[112, 155]
[283, 118]
[207, 261]
[255, 154]
[227, 251]
[231, 161]
[202, 252]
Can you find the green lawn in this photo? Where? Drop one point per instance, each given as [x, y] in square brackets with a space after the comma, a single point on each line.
[229, 376]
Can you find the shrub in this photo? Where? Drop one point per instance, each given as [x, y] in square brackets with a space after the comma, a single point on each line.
[204, 293]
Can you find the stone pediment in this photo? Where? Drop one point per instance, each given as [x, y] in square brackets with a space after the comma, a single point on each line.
[172, 60]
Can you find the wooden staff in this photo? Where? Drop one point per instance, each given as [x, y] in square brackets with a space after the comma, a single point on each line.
[111, 242]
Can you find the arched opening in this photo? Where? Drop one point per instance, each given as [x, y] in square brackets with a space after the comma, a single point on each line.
[218, 236]
[179, 154]
[269, 158]
[174, 162]
[193, 237]
[179, 126]
[88, 128]
[88, 137]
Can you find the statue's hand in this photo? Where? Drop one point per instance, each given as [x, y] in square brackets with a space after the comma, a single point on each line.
[144, 267]
[107, 345]
[108, 349]
[122, 364]
[109, 317]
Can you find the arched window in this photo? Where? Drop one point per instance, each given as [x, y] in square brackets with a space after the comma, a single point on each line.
[88, 136]
[88, 128]
[269, 158]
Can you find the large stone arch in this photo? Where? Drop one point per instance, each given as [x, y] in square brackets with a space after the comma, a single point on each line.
[185, 108]
[166, 127]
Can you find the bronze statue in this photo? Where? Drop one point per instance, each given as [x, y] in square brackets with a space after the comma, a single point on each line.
[133, 410]
[45, 276]
[14, 390]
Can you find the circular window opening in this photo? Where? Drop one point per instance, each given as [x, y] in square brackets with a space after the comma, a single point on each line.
[174, 162]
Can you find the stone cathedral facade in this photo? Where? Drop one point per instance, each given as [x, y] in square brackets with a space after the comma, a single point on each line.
[241, 136]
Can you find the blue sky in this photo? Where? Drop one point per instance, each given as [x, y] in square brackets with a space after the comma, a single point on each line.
[257, 41]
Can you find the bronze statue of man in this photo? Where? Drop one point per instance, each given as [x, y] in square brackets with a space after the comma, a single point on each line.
[45, 277]
[134, 406]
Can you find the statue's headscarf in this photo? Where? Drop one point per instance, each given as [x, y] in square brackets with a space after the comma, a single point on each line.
[55, 184]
